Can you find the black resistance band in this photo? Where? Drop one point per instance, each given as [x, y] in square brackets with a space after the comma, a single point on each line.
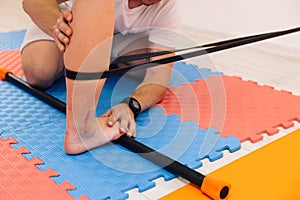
[213, 47]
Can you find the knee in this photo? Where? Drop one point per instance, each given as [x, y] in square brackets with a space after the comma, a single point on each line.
[37, 78]
[39, 82]
[42, 63]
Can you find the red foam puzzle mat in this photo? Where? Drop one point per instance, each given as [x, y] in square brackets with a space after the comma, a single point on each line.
[239, 108]
[11, 60]
[20, 179]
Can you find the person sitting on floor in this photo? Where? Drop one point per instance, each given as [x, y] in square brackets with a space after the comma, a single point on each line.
[66, 35]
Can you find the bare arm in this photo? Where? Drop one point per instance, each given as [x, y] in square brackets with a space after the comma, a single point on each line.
[148, 93]
[47, 15]
[155, 84]
[44, 13]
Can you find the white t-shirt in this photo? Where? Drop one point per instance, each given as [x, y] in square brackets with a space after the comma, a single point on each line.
[161, 21]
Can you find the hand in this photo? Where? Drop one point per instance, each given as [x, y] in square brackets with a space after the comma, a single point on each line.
[122, 114]
[62, 31]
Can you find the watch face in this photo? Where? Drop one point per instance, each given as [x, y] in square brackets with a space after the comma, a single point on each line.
[135, 104]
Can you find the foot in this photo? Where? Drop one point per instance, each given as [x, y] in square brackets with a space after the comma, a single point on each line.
[96, 134]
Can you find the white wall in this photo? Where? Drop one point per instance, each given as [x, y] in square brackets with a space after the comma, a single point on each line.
[243, 17]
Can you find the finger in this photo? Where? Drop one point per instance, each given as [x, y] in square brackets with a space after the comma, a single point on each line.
[58, 38]
[118, 134]
[62, 38]
[65, 28]
[59, 45]
[123, 125]
[67, 14]
[131, 129]
[111, 120]
[63, 25]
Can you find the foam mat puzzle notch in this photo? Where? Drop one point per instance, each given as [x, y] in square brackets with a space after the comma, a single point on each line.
[21, 179]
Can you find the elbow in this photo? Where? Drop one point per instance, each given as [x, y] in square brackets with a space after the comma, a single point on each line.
[161, 94]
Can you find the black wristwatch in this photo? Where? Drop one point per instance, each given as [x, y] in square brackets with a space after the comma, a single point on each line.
[133, 104]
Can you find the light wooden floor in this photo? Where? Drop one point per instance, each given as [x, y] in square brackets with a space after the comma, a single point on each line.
[264, 62]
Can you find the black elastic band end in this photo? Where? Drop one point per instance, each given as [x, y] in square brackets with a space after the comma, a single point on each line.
[82, 75]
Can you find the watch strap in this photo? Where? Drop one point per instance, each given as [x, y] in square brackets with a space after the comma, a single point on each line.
[133, 104]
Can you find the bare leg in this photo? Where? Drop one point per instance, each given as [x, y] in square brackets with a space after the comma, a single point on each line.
[42, 63]
[92, 25]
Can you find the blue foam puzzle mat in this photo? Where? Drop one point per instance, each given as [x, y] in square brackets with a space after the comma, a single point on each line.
[169, 133]
[17, 109]
[110, 170]
[11, 40]
[183, 72]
